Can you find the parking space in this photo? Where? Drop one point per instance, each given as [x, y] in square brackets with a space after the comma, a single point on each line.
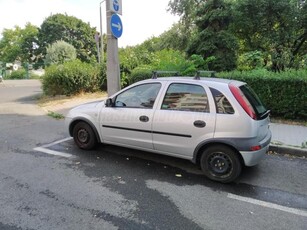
[261, 191]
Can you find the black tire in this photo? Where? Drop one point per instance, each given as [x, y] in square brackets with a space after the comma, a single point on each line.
[84, 136]
[220, 163]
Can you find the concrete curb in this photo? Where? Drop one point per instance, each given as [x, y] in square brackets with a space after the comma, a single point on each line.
[284, 149]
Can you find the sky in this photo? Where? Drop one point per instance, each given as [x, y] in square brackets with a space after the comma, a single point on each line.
[141, 19]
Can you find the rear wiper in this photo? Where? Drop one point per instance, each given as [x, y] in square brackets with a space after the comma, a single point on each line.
[265, 113]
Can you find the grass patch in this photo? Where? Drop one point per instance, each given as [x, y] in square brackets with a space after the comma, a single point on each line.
[55, 115]
[45, 101]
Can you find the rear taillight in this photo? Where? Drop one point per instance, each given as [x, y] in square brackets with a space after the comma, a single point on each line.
[256, 148]
[237, 93]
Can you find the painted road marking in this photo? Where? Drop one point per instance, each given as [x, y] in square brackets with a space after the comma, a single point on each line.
[268, 205]
[53, 152]
[57, 142]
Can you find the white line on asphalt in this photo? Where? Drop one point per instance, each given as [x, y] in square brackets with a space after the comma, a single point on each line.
[268, 205]
[57, 142]
[52, 152]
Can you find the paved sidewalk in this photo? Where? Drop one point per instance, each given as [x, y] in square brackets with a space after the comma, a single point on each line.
[289, 139]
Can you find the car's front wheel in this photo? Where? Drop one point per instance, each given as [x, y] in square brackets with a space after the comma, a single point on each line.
[84, 136]
[220, 163]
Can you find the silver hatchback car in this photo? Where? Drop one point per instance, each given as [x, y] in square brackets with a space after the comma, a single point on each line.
[220, 125]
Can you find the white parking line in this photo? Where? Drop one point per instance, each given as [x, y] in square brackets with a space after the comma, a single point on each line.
[53, 152]
[57, 142]
[268, 205]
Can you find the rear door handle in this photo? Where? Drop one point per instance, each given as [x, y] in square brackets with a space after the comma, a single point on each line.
[144, 118]
[199, 124]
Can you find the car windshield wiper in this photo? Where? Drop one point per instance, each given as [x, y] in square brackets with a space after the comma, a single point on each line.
[265, 113]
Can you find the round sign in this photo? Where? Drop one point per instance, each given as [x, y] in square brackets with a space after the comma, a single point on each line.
[116, 5]
[116, 26]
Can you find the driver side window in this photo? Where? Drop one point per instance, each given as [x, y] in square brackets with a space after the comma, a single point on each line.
[141, 96]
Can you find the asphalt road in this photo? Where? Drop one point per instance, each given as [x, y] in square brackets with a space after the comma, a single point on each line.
[118, 188]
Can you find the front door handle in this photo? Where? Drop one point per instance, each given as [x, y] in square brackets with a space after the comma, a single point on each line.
[144, 118]
[199, 124]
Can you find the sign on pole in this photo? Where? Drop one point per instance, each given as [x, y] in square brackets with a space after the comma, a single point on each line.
[116, 6]
[116, 26]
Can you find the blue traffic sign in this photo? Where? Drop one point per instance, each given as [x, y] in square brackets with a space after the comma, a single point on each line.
[116, 5]
[116, 26]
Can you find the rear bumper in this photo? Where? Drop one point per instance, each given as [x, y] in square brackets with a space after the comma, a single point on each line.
[252, 158]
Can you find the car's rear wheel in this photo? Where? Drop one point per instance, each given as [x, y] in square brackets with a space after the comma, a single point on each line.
[220, 163]
[84, 136]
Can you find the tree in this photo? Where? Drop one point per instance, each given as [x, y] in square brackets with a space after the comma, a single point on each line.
[60, 52]
[213, 39]
[71, 30]
[277, 28]
[176, 38]
[186, 9]
[19, 44]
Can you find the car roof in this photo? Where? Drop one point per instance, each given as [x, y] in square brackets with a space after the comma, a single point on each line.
[206, 80]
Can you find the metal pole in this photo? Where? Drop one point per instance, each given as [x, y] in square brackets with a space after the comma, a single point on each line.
[101, 33]
[113, 71]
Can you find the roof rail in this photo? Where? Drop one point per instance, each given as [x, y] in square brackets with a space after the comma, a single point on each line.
[199, 72]
[155, 73]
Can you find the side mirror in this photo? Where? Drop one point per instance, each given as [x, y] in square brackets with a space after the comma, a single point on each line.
[109, 102]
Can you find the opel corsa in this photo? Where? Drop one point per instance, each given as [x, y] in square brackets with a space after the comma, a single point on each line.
[218, 124]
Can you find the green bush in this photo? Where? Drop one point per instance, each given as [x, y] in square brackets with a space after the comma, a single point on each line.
[72, 77]
[250, 60]
[60, 52]
[140, 73]
[285, 93]
[172, 60]
[18, 74]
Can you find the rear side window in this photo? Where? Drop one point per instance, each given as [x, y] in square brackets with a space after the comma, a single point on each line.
[254, 100]
[222, 104]
[186, 97]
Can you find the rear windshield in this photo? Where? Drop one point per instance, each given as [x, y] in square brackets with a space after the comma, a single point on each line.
[254, 100]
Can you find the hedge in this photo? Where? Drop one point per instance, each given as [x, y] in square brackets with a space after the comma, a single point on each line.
[285, 96]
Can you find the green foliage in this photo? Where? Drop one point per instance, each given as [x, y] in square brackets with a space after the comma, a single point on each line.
[176, 38]
[71, 78]
[57, 116]
[132, 57]
[60, 52]
[71, 30]
[213, 38]
[278, 28]
[140, 73]
[138, 63]
[283, 93]
[18, 43]
[171, 60]
[18, 74]
[251, 60]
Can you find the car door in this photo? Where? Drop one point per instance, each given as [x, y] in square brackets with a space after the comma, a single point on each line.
[129, 121]
[183, 120]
